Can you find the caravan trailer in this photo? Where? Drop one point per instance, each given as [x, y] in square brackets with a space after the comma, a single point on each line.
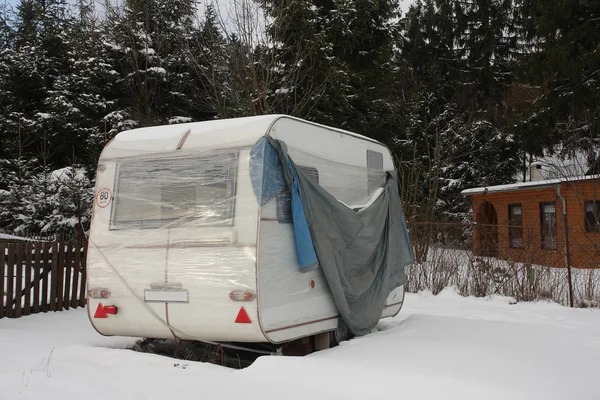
[180, 247]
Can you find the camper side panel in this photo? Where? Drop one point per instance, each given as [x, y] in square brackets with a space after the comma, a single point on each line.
[294, 303]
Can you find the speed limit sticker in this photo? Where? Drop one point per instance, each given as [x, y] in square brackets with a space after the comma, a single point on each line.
[103, 197]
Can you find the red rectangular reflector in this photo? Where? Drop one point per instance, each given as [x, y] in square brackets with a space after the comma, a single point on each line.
[110, 309]
[103, 311]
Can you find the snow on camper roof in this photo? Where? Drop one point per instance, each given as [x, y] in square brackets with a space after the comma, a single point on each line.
[165, 138]
[231, 131]
[163, 132]
[527, 185]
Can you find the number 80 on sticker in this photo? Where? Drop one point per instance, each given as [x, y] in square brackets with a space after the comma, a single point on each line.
[103, 197]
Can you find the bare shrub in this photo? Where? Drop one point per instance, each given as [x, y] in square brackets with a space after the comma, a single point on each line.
[445, 265]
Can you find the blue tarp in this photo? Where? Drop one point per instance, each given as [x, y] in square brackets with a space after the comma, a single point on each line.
[268, 181]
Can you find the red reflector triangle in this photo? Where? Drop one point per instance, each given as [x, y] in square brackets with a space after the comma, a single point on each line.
[100, 312]
[242, 317]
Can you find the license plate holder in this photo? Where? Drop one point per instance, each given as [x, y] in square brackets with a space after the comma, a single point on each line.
[166, 296]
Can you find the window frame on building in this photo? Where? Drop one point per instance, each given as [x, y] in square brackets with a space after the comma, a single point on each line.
[551, 231]
[591, 218]
[515, 228]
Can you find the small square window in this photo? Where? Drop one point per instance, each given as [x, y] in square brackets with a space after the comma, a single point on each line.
[376, 178]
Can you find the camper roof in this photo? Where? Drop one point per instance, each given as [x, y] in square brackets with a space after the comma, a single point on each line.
[217, 133]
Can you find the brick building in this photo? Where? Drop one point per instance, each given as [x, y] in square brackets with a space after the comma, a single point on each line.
[529, 221]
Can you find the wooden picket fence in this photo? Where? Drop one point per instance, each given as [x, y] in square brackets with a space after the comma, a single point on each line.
[41, 277]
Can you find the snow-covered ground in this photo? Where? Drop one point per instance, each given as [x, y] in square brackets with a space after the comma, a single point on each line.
[438, 347]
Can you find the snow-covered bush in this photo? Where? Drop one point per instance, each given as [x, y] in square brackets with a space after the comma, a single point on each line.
[44, 202]
[71, 200]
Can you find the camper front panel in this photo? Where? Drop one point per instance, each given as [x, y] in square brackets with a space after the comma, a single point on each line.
[179, 234]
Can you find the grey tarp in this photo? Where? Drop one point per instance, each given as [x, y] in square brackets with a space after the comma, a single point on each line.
[363, 254]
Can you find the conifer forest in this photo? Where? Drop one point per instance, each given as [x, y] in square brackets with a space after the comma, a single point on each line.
[464, 92]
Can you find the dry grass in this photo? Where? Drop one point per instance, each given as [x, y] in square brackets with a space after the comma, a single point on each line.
[483, 276]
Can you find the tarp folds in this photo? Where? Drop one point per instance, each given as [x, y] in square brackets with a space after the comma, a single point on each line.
[362, 253]
[268, 181]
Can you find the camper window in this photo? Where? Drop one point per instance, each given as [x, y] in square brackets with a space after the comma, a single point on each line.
[153, 193]
[375, 167]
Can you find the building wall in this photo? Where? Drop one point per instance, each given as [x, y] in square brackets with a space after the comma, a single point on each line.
[584, 247]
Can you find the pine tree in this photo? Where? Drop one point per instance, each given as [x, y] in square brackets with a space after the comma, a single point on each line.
[35, 71]
[70, 200]
[148, 42]
[16, 212]
[88, 93]
[461, 58]
[6, 31]
[214, 62]
[564, 63]
[340, 53]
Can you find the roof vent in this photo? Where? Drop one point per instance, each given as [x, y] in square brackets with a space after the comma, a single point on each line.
[535, 171]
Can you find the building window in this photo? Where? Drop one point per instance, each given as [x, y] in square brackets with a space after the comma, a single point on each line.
[548, 225]
[515, 226]
[592, 213]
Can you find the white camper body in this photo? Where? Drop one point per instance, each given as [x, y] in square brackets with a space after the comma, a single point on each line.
[179, 244]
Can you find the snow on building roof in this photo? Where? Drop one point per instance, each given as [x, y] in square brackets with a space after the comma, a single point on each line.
[527, 185]
[556, 166]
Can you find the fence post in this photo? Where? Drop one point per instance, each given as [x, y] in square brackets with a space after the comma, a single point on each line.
[37, 275]
[46, 275]
[27, 306]
[10, 281]
[68, 266]
[54, 276]
[60, 275]
[3, 251]
[82, 299]
[76, 272]
[19, 253]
